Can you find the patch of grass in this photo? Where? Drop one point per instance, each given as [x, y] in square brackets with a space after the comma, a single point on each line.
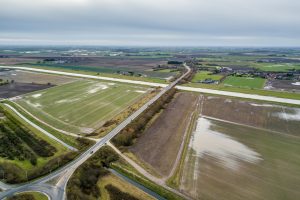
[121, 185]
[28, 196]
[124, 168]
[284, 67]
[81, 106]
[246, 82]
[201, 76]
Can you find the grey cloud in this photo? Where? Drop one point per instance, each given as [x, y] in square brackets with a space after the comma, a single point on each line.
[268, 22]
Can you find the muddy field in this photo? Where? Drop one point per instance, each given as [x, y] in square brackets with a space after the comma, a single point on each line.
[271, 117]
[160, 143]
[32, 77]
[16, 60]
[16, 89]
[229, 161]
[285, 85]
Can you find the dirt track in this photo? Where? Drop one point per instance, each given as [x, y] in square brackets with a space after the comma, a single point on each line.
[160, 143]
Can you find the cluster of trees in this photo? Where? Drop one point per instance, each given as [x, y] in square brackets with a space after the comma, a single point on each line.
[13, 174]
[137, 126]
[52, 165]
[116, 194]
[39, 146]
[17, 142]
[84, 143]
[174, 62]
[2, 82]
[83, 184]
[12, 147]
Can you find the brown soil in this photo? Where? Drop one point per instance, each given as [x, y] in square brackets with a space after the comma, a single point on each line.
[285, 85]
[251, 114]
[160, 143]
[16, 89]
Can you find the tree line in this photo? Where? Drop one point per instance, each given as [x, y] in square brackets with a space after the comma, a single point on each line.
[136, 127]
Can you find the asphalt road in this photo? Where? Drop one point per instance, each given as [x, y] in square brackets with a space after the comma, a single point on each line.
[57, 192]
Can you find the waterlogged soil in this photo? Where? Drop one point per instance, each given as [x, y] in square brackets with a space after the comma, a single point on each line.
[266, 116]
[229, 161]
[16, 89]
[160, 143]
[285, 85]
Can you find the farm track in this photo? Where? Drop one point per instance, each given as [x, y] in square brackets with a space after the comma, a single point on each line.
[141, 170]
[58, 191]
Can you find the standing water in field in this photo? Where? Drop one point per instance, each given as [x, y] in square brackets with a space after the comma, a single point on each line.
[289, 114]
[220, 146]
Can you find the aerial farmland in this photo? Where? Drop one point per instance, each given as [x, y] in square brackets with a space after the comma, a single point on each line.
[81, 106]
[152, 99]
[125, 130]
[248, 153]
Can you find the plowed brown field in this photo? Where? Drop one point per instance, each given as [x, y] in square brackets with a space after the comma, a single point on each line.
[160, 143]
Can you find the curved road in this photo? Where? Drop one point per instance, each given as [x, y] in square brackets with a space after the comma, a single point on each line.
[57, 192]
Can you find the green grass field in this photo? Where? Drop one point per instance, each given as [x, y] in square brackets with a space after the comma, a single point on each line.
[29, 195]
[246, 82]
[201, 76]
[277, 67]
[81, 106]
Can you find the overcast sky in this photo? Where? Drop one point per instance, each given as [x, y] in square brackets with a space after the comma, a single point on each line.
[151, 22]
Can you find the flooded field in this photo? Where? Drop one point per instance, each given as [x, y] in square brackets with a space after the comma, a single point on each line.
[284, 85]
[266, 116]
[230, 161]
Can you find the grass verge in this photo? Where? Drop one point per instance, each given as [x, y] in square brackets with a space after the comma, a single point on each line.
[127, 170]
[29, 196]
